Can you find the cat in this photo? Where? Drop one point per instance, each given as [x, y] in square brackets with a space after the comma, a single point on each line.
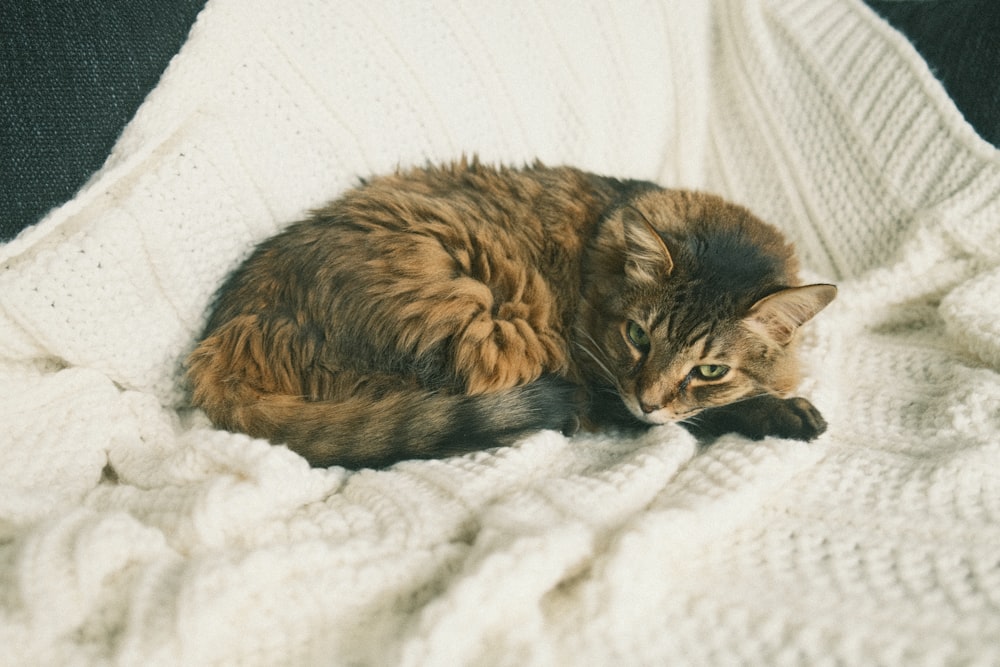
[443, 309]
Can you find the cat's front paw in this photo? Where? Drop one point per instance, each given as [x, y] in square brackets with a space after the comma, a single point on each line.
[795, 418]
[760, 417]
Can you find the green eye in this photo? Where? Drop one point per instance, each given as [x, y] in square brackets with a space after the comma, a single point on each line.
[637, 336]
[712, 371]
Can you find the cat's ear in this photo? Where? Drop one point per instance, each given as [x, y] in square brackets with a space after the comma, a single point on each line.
[647, 258]
[779, 315]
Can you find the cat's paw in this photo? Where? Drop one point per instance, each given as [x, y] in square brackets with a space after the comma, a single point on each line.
[571, 426]
[760, 417]
[795, 418]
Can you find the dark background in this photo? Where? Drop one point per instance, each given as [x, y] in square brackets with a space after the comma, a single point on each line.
[73, 73]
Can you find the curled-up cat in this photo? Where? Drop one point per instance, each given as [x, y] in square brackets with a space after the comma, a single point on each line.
[450, 308]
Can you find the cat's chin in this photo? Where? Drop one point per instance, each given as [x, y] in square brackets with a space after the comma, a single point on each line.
[655, 418]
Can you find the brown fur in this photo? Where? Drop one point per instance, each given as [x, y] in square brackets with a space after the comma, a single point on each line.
[444, 309]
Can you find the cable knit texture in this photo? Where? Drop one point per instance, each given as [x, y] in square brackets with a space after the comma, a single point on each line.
[133, 533]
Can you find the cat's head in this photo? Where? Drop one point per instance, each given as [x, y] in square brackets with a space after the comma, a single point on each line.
[689, 303]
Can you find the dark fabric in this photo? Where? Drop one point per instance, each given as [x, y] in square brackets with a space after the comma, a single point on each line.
[72, 74]
[960, 40]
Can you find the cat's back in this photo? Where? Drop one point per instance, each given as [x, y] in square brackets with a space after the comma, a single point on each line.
[421, 224]
[459, 204]
[470, 199]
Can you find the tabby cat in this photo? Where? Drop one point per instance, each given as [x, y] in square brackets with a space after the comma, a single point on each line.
[450, 308]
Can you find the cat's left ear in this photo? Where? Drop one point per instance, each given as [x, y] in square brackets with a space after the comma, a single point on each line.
[647, 258]
[779, 315]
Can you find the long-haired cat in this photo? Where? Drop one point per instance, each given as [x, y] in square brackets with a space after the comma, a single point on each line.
[445, 309]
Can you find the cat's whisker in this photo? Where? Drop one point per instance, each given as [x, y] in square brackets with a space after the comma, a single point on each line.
[694, 419]
[595, 345]
[600, 364]
[604, 370]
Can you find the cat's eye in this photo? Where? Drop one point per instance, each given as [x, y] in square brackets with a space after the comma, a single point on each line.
[637, 336]
[711, 371]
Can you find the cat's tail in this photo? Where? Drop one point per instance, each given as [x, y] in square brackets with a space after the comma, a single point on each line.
[374, 422]
[364, 431]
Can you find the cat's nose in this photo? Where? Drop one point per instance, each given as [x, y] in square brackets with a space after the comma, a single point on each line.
[647, 408]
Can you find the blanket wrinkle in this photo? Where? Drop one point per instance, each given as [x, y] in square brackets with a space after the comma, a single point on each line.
[66, 449]
[971, 313]
[874, 544]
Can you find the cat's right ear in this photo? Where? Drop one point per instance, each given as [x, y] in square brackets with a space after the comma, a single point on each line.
[647, 258]
[779, 315]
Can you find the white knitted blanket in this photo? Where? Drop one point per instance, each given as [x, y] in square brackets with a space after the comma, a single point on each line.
[133, 533]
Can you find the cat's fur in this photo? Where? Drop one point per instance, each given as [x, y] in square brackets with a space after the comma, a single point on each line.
[444, 309]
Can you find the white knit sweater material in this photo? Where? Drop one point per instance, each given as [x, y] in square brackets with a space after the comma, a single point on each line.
[879, 543]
